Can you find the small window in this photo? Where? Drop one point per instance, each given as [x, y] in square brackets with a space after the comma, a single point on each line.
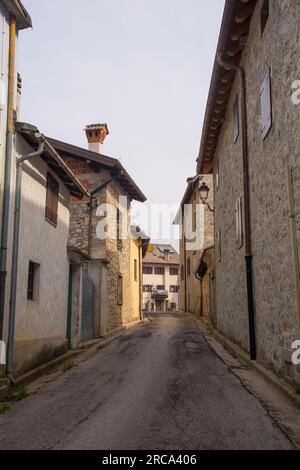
[120, 290]
[147, 270]
[266, 106]
[173, 271]
[159, 270]
[147, 288]
[32, 284]
[135, 270]
[264, 15]
[174, 289]
[160, 287]
[239, 223]
[236, 119]
[52, 199]
[189, 266]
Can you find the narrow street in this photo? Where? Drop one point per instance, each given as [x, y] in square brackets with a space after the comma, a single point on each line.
[159, 386]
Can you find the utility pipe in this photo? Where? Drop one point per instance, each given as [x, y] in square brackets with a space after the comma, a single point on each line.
[247, 218]
[294, 243]
[7, 174]
[15, 254]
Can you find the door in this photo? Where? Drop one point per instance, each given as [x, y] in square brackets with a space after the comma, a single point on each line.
[88, 306]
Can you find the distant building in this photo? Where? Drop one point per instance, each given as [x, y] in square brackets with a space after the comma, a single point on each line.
[139, 243]
[161, 279]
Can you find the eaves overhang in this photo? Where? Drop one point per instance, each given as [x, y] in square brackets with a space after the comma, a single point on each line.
[232, 40]
[53, 159]
[16, 9]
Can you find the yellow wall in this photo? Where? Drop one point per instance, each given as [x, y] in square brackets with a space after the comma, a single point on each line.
[135, 287]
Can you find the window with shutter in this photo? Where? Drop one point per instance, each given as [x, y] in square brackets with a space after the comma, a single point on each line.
[266, 106]
[239, 223]
[52, 199]
[236, 120]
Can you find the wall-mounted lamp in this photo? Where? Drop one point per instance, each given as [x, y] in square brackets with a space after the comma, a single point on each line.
[204, 190]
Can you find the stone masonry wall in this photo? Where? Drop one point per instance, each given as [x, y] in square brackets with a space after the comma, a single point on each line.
[273, 276]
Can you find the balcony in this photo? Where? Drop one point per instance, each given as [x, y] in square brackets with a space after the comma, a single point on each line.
[159, 294]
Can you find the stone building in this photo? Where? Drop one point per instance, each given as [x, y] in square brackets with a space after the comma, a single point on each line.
[196, 220]
[250, 141]
[161, 279]
[106, 298]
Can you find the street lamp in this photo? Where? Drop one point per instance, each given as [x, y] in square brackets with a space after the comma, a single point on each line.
[204, 190]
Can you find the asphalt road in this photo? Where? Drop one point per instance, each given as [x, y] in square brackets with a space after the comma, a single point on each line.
[160, 386]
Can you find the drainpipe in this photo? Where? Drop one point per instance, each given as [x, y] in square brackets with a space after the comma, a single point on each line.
[7, 173]
[247, 218]
[15, 254]
[294, 242]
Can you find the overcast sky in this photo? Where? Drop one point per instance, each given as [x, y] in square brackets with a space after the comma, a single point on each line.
[142, 66]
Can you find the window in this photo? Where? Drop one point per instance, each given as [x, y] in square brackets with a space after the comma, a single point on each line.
[236, 119]
[188, 267]
[264, 15]
[160, 287]
[32, 285]
[173, 271]
[120, 290]
[239, 223]
[159, 270]
[147, 270]
[147, 288]
[135, 270]
[51, 199]
[266, 105]
[174, 289]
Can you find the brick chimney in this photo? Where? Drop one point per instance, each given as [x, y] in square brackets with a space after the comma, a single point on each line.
[96, 134]
[167, 254]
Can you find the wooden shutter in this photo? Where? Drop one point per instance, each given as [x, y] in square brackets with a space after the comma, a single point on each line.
[266, 106]
[52, 199]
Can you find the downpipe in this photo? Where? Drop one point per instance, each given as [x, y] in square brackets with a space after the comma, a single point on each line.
[15, 253]
[247, 218]
[7, 173]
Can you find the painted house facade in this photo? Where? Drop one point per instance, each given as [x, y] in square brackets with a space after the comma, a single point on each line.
[250, 141]
[161, 279]
[13, 19]
[39, 319]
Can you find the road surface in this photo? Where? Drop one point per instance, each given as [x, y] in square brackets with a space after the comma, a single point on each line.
[159, 386]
